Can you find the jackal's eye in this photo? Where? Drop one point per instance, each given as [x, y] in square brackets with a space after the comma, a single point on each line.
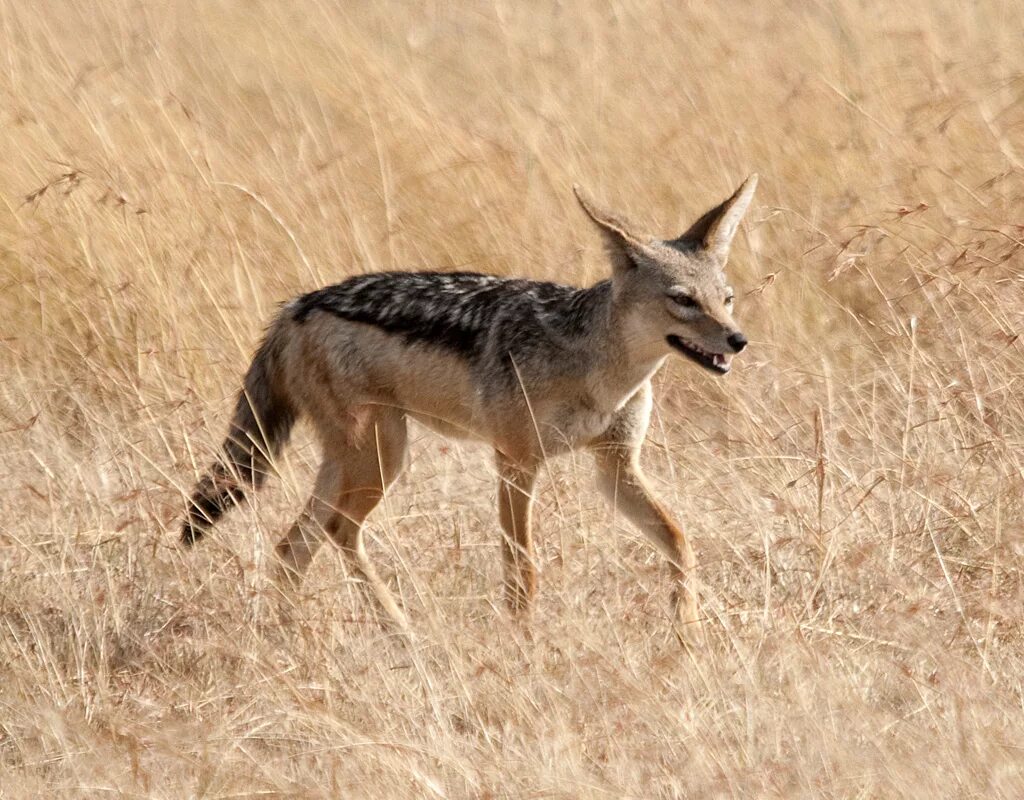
[683, 299]
[730, 299]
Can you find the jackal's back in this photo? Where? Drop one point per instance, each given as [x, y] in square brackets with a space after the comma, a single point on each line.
[465, 312]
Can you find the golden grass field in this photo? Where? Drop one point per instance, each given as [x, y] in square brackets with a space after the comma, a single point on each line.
[171, 171]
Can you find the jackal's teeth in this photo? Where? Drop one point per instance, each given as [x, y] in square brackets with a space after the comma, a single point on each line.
[717, 362]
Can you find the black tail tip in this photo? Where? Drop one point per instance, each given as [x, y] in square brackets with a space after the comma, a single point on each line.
[208, 504]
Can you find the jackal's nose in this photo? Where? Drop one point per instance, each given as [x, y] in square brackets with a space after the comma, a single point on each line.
[737, 341]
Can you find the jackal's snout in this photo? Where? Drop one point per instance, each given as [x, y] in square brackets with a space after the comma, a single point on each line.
[737, 342]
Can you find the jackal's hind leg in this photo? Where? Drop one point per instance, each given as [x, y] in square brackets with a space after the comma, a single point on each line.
[515, 501]
[620, 479]
[368, 470]
[296, 550]
[359, 465]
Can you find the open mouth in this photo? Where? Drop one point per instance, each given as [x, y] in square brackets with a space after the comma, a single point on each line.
[716, 362]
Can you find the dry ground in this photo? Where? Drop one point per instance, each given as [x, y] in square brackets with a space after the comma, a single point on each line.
[169, 171]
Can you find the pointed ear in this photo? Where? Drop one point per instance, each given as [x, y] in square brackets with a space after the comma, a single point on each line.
[618, 238]
[716, 229]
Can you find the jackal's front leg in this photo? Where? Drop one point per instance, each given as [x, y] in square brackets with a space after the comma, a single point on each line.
[622, 482]
[515, 500]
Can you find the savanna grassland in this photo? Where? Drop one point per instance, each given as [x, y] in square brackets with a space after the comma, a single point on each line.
[171, 171]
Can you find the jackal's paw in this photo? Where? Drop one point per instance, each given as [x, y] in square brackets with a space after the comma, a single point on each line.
[686, 619]
[690, 633]
[519, 600]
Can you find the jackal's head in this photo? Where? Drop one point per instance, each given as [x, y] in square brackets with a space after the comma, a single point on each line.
[672, 293]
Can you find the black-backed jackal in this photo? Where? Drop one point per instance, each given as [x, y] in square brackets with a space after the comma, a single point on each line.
[535, 369]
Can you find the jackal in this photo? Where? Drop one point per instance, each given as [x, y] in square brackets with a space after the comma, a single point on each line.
[533, 368]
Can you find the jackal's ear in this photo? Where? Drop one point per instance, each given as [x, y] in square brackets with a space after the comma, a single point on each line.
[618, 238]
[716, 229]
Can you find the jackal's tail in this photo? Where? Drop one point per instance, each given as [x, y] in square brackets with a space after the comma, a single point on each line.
[263, 420]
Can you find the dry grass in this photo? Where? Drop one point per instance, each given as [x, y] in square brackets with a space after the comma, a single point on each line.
[172, 170]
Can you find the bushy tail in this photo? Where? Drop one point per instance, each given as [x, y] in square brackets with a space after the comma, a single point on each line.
[263, 420]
